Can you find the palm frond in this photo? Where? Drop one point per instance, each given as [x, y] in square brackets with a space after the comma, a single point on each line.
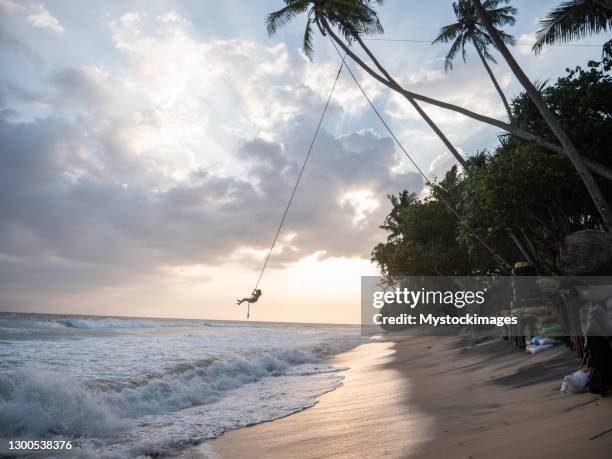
[353, 17]
[486, 54]
[540, 85]
[507, 38]
[448, 33]
[452, 53]
[607, 49]
[573, 19]
[468, 28]
[307, 43]
[278, 19]
[503, 16]
[464, 39]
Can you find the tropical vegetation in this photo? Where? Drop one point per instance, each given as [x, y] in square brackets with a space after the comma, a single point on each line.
[520, 198]
[550, 174]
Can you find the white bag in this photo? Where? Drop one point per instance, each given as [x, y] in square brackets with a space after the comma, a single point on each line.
[537, 348]
[576, 382]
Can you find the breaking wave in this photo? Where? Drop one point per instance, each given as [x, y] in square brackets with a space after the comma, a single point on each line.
[94, 324]
[155, 392]
[35, 403]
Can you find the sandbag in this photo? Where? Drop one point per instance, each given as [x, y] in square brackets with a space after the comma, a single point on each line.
[552, 330]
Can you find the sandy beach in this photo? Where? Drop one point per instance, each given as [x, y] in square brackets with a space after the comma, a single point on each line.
[438, 397]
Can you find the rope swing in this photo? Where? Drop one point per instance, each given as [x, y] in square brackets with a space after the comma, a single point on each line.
[297, 182]
[256, 292]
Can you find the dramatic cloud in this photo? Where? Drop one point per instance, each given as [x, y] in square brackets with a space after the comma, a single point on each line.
[154, 151]
[185, 155]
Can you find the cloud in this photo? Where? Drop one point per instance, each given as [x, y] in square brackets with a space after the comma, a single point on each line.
[35, 14]
[42, 19]
[10, 43]
[11, 7]
[171, 16]
[184, 155]
[86, 85]
[525, 38]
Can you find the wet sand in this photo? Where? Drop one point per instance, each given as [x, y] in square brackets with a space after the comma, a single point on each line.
[439, 397]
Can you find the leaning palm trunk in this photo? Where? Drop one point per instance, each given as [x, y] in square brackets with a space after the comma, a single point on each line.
[414, 103]
[390, 82]
[519, 245]
[418, 108]
[439, 133]
[552, 122]
[514, 130]
[494, 80]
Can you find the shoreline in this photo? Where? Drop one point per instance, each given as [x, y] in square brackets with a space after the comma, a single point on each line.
[324, 430]
[436, 397]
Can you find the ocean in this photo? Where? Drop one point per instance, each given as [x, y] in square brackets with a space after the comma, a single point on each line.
[128, 387]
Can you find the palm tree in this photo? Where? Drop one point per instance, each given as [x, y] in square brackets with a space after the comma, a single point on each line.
[550, 119]
[575, 19]
[317, 14]
[467, 29]
[352, 18]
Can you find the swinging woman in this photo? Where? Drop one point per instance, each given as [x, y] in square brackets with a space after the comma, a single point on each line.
[253, 299]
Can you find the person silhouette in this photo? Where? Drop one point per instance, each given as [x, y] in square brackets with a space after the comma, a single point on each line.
[253, 299]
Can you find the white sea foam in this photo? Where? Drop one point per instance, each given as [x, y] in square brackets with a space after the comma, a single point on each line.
[124, 323]
[164, 388]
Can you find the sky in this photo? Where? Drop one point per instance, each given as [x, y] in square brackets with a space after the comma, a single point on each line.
[148, 148]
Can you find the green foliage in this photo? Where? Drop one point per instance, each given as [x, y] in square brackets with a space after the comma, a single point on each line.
[521, 194]
[520, 199]
[582, 101]
[422, 236]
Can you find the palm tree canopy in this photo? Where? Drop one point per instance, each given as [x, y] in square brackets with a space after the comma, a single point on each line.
[572, 20]
[468, 28]
[350, 17]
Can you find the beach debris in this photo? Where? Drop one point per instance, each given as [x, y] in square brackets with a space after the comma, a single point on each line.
[537, 348]
[576, 383]
[540, 343]
[600, 434]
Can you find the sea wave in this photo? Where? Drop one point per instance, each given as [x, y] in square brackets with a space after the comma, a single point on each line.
[41, 403]
[95, 324]
[154, 392]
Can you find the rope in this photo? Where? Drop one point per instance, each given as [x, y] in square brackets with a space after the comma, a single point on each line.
[297, 182]
[429, 182]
